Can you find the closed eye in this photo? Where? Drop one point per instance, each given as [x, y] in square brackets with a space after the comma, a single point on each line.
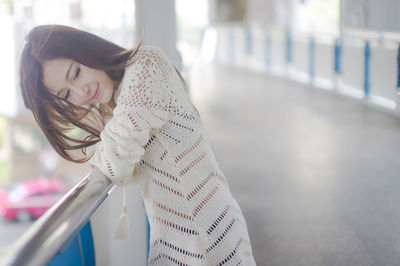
[76, 74]
[67, 94]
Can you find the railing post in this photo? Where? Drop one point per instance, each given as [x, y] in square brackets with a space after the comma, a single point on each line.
[367, 55]
[312, 59]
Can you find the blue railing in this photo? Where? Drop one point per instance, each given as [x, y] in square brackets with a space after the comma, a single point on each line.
[63, 235]
[78, 251]
[364, 65]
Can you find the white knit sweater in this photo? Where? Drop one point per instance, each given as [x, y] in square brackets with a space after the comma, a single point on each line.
[155, 140]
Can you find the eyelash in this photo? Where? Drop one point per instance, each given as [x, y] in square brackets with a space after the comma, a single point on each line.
[76, 74]
[67, 94]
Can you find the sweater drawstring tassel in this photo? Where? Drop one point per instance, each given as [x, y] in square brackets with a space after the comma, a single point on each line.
[123, 222]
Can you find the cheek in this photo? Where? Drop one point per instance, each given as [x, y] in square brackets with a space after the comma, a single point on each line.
[77, 101]
[109, 85]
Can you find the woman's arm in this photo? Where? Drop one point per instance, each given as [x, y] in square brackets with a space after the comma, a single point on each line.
[144, 103]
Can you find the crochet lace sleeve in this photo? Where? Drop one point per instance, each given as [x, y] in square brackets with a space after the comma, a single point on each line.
[141, 106]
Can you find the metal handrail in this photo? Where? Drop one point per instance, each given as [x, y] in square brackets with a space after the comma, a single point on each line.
[48, 234]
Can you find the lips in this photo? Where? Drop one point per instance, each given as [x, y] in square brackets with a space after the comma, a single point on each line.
[96, 94]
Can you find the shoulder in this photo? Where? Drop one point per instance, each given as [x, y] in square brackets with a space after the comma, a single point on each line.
[148, 59]
[148, 68]
[150, 50]
[148, 56]
[148, 62]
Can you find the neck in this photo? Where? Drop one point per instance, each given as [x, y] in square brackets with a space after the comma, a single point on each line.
[112, 103]
[106, 109]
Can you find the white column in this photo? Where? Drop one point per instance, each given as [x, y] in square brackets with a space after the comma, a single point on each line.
[261, 13]
[212, 9]
[284, 13]
[157, 19]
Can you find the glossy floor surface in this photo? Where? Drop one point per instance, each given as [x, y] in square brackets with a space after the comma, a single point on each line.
[317, 175]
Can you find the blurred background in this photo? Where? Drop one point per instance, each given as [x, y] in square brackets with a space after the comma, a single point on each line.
[299, 98]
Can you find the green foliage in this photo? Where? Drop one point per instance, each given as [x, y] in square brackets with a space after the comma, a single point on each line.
[6, 7]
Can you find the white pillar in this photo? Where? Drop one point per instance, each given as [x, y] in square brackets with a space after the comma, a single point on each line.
[261, 13]
[284, 13]
[212, 9]
[157, 19]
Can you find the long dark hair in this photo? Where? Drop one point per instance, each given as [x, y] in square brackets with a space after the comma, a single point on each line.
[54, 115]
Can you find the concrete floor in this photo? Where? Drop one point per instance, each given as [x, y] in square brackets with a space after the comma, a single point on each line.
[316, 174]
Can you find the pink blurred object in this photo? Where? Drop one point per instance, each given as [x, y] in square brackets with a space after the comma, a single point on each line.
[30, 199]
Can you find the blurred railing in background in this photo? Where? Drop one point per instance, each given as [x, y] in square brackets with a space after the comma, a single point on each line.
[360, 64]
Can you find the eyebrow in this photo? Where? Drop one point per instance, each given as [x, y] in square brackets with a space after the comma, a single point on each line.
[66, 76]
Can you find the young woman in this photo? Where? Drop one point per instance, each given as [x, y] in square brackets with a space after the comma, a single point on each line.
[142, 129]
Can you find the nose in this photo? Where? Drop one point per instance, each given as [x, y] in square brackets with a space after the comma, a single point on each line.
[85, 89]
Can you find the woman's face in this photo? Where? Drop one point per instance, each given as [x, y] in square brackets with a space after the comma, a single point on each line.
[77, 83]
